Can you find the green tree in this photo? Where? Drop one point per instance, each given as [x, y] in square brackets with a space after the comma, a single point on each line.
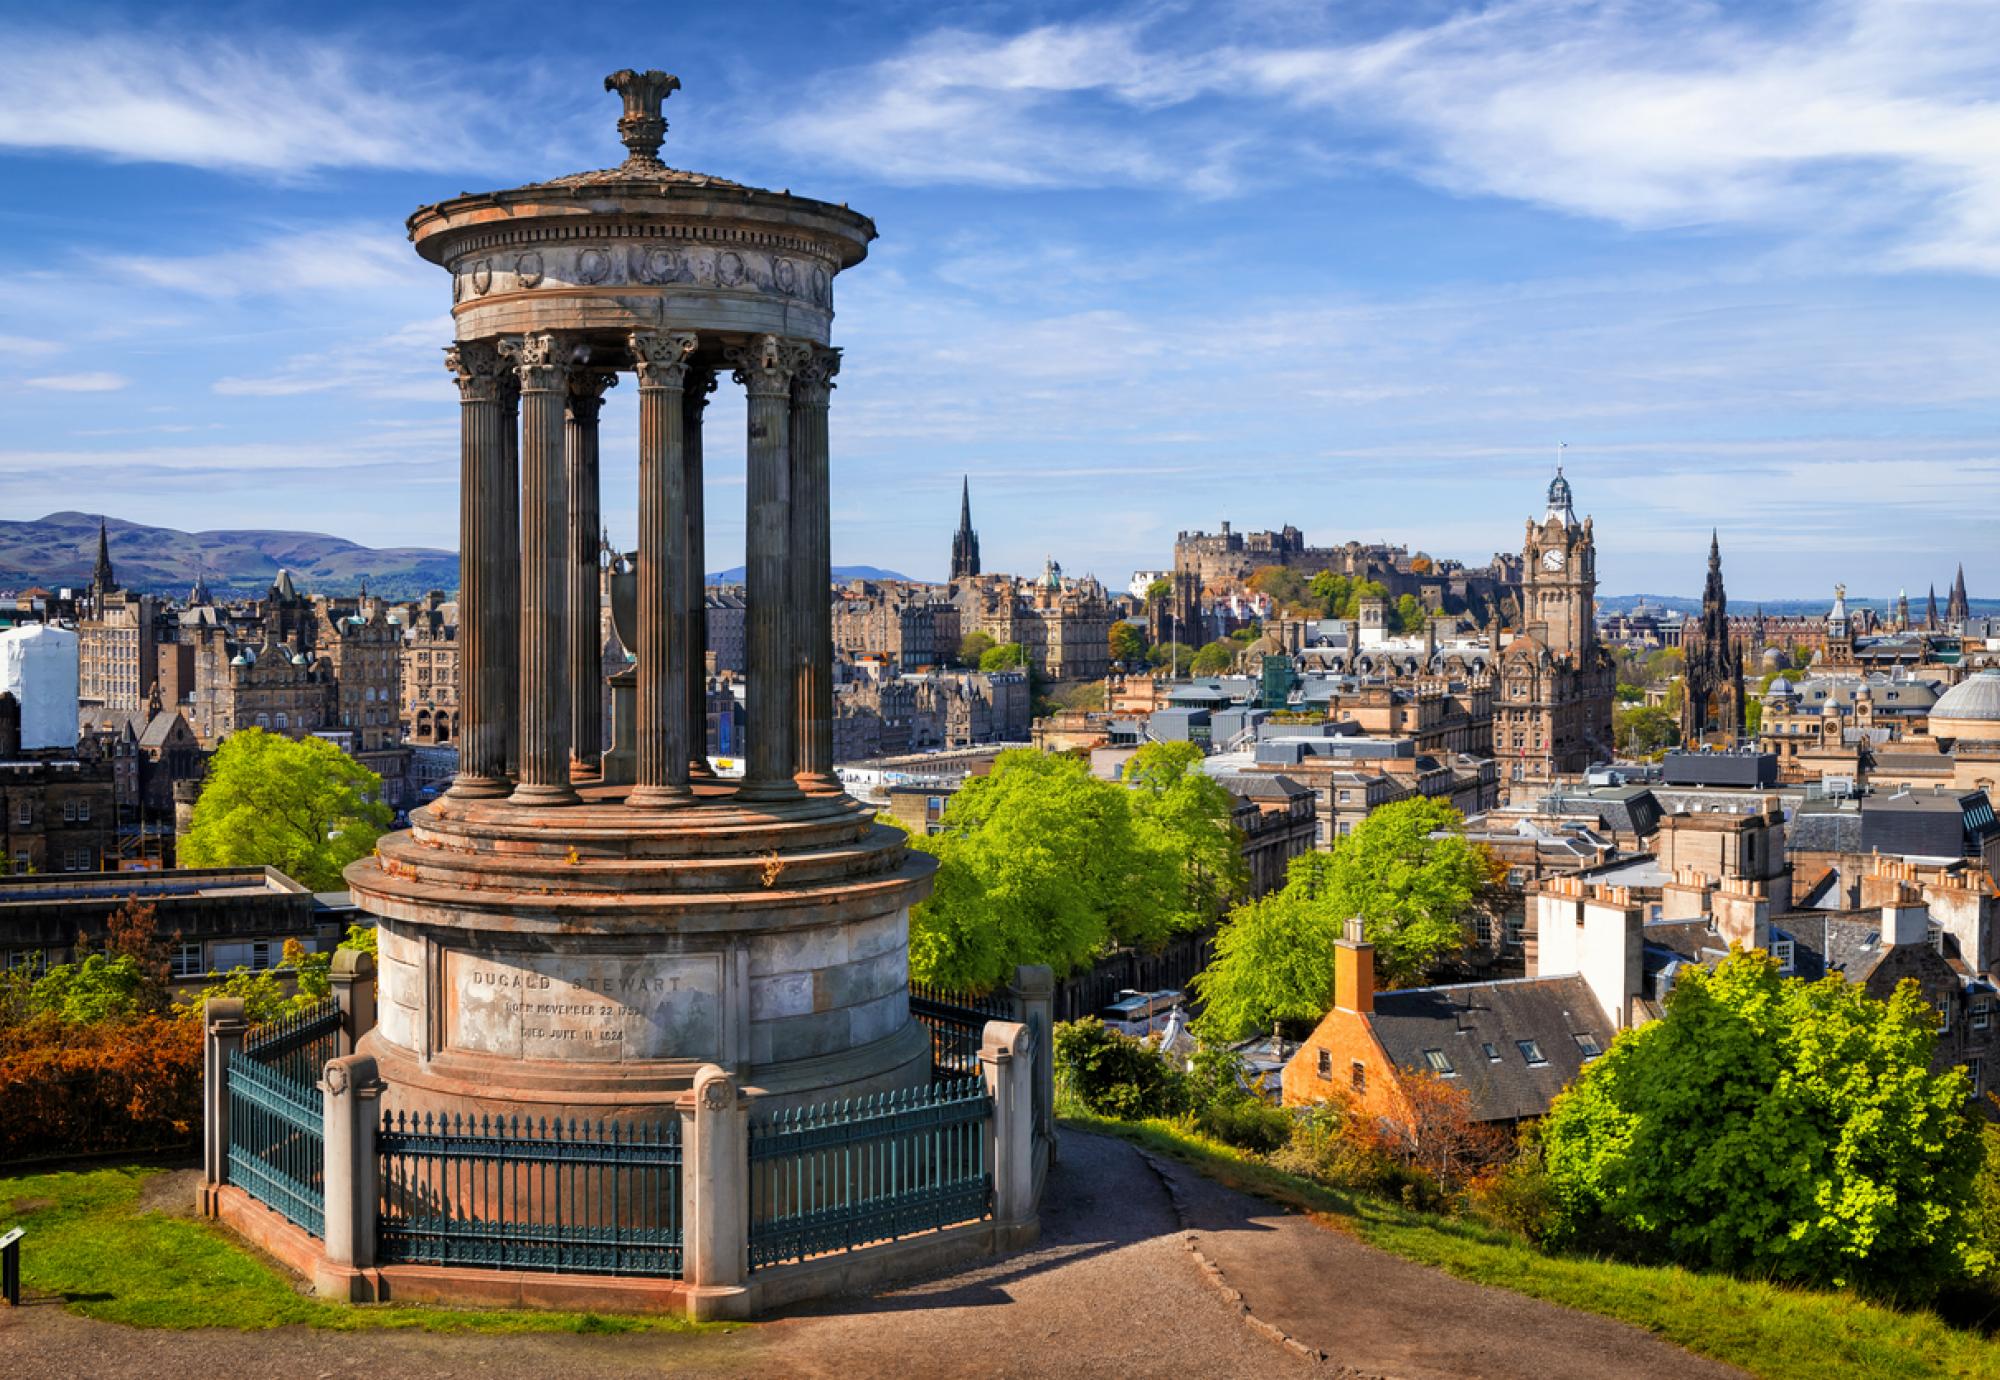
[1411, 615]
[1644, 729]
[300, 805]
[972, 647]
[1330, 593]
[1171, 655]
[1282, 584]
[1248, 633]
[1753, 716]
[1128, 642]
[1363, 589]
[1781, 1128]
[1041, 862]
[97, 989]
[1407, 870]
[1008, 656]
[1187, 818]
[1213, 659]
[1159, 589]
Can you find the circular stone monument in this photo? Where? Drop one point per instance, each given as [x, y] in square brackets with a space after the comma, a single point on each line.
[574, 932]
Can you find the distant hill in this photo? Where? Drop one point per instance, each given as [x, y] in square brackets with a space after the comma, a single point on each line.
[1782, 608]
[735, 575]
[61, 549]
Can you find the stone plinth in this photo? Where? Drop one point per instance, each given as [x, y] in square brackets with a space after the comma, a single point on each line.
[589, 960]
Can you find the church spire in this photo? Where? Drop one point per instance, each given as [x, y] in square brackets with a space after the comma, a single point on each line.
[965, 541]
[101, 578]
[1960, 608]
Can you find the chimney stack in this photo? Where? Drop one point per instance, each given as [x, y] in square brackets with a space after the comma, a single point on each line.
[1353, 969]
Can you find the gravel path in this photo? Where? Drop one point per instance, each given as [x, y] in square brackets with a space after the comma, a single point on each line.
[1111, 1290]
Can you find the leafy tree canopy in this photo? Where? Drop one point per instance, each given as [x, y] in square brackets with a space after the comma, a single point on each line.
[1643, 729]
[1781, 1128]
[1160, 588]
[1041, 862]
[1170, 654]
[1407, 870]
[972, 647]
[1007, 656]
[300, 805]
[1128, 643]
[1213, 659]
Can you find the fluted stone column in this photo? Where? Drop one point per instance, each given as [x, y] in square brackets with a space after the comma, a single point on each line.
[812, 572]
[586, 653]
[662, 362]
[694, 402]
[543, 365]
[506, 643]
[765, 368]
[486, 590]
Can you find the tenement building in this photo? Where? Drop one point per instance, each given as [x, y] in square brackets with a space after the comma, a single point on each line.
[429, 675]
[1061, 624]
[118, 639]
[1552, 709]
[906, 625]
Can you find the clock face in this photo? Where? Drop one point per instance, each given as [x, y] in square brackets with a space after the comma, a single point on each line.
[1552, 560]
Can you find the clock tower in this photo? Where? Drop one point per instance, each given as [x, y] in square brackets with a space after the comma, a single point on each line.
[1559, 595]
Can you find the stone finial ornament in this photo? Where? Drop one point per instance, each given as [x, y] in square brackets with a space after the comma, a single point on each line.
[641, 127]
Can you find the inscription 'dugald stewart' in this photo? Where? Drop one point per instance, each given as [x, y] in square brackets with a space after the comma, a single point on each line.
[558, 1006]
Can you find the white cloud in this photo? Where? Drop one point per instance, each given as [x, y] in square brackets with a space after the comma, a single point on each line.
[282, 105]
[406, 364]
[322, 262]
[99, 382]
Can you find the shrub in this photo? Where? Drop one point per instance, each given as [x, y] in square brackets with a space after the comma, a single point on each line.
[1225, 1106]
[1115, 1075]
[70, 1089]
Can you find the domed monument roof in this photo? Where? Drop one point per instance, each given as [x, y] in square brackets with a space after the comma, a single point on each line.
[1974, 700]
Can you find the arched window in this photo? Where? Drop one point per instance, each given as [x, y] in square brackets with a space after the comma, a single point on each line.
[263, 721]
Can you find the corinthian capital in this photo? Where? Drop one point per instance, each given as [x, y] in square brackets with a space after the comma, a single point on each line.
[766, 365]
[587, 388]
[814, 380]
[541, 361]
[661, 357]
[476, 366]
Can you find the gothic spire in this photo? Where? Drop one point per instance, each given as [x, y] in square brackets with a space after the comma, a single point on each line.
[1959, 609]
[1930, 611]
[965, 541]
[101, 578]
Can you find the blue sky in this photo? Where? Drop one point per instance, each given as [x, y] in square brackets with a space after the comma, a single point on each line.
[1357, 267]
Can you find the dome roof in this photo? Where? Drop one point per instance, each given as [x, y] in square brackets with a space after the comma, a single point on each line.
[1976, 697]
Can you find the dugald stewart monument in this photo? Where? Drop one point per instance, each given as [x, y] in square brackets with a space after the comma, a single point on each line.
[630, 1018]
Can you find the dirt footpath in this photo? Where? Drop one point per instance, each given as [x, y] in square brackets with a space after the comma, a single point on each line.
[1111, 1290]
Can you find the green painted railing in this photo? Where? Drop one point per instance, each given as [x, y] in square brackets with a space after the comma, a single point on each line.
[277, 1150]
[298, 1045]
[850, 1173]
[515, 1194]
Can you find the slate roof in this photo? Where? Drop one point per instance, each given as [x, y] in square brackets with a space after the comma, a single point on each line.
[1461, 1019]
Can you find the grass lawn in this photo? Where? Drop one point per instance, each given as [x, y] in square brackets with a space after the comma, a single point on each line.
[1770, 1330]
[90, 1241]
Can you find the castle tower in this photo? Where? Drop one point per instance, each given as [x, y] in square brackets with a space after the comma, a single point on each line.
[965, 541]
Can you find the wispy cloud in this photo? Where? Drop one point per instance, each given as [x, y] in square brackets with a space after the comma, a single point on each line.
[315, 261]
[277, 104]
[98, 382]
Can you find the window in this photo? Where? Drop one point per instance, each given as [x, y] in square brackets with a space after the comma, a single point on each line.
[281, 720]
[33, 962]
[260, 955]
[1440, 1063]
[187, 960]
[83, 811]
[1357, 1075]
[1976, 1072]
[1944, 1015]
[1587, 1042]
[69, 812]
[1326, 1065]
[1531, 1050]
[24, 811]
[1491, 1051]
[1980, 1014]
[1784, 951]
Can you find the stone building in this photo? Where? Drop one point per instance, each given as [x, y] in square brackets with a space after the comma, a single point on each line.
[118, 638]
[908, 626]
[1062, 625]
[1553, 706]
[879, 712]
[1712, 703]
[429, 676]
[363, 650]
[59, 807]
[724, 616]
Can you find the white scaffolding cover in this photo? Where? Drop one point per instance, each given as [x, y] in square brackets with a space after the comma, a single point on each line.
[38, 667]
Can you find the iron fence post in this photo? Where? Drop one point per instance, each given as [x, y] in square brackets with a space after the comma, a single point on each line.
[224, 1028]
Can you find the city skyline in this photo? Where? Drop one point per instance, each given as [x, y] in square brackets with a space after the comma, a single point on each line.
[1498, 233]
